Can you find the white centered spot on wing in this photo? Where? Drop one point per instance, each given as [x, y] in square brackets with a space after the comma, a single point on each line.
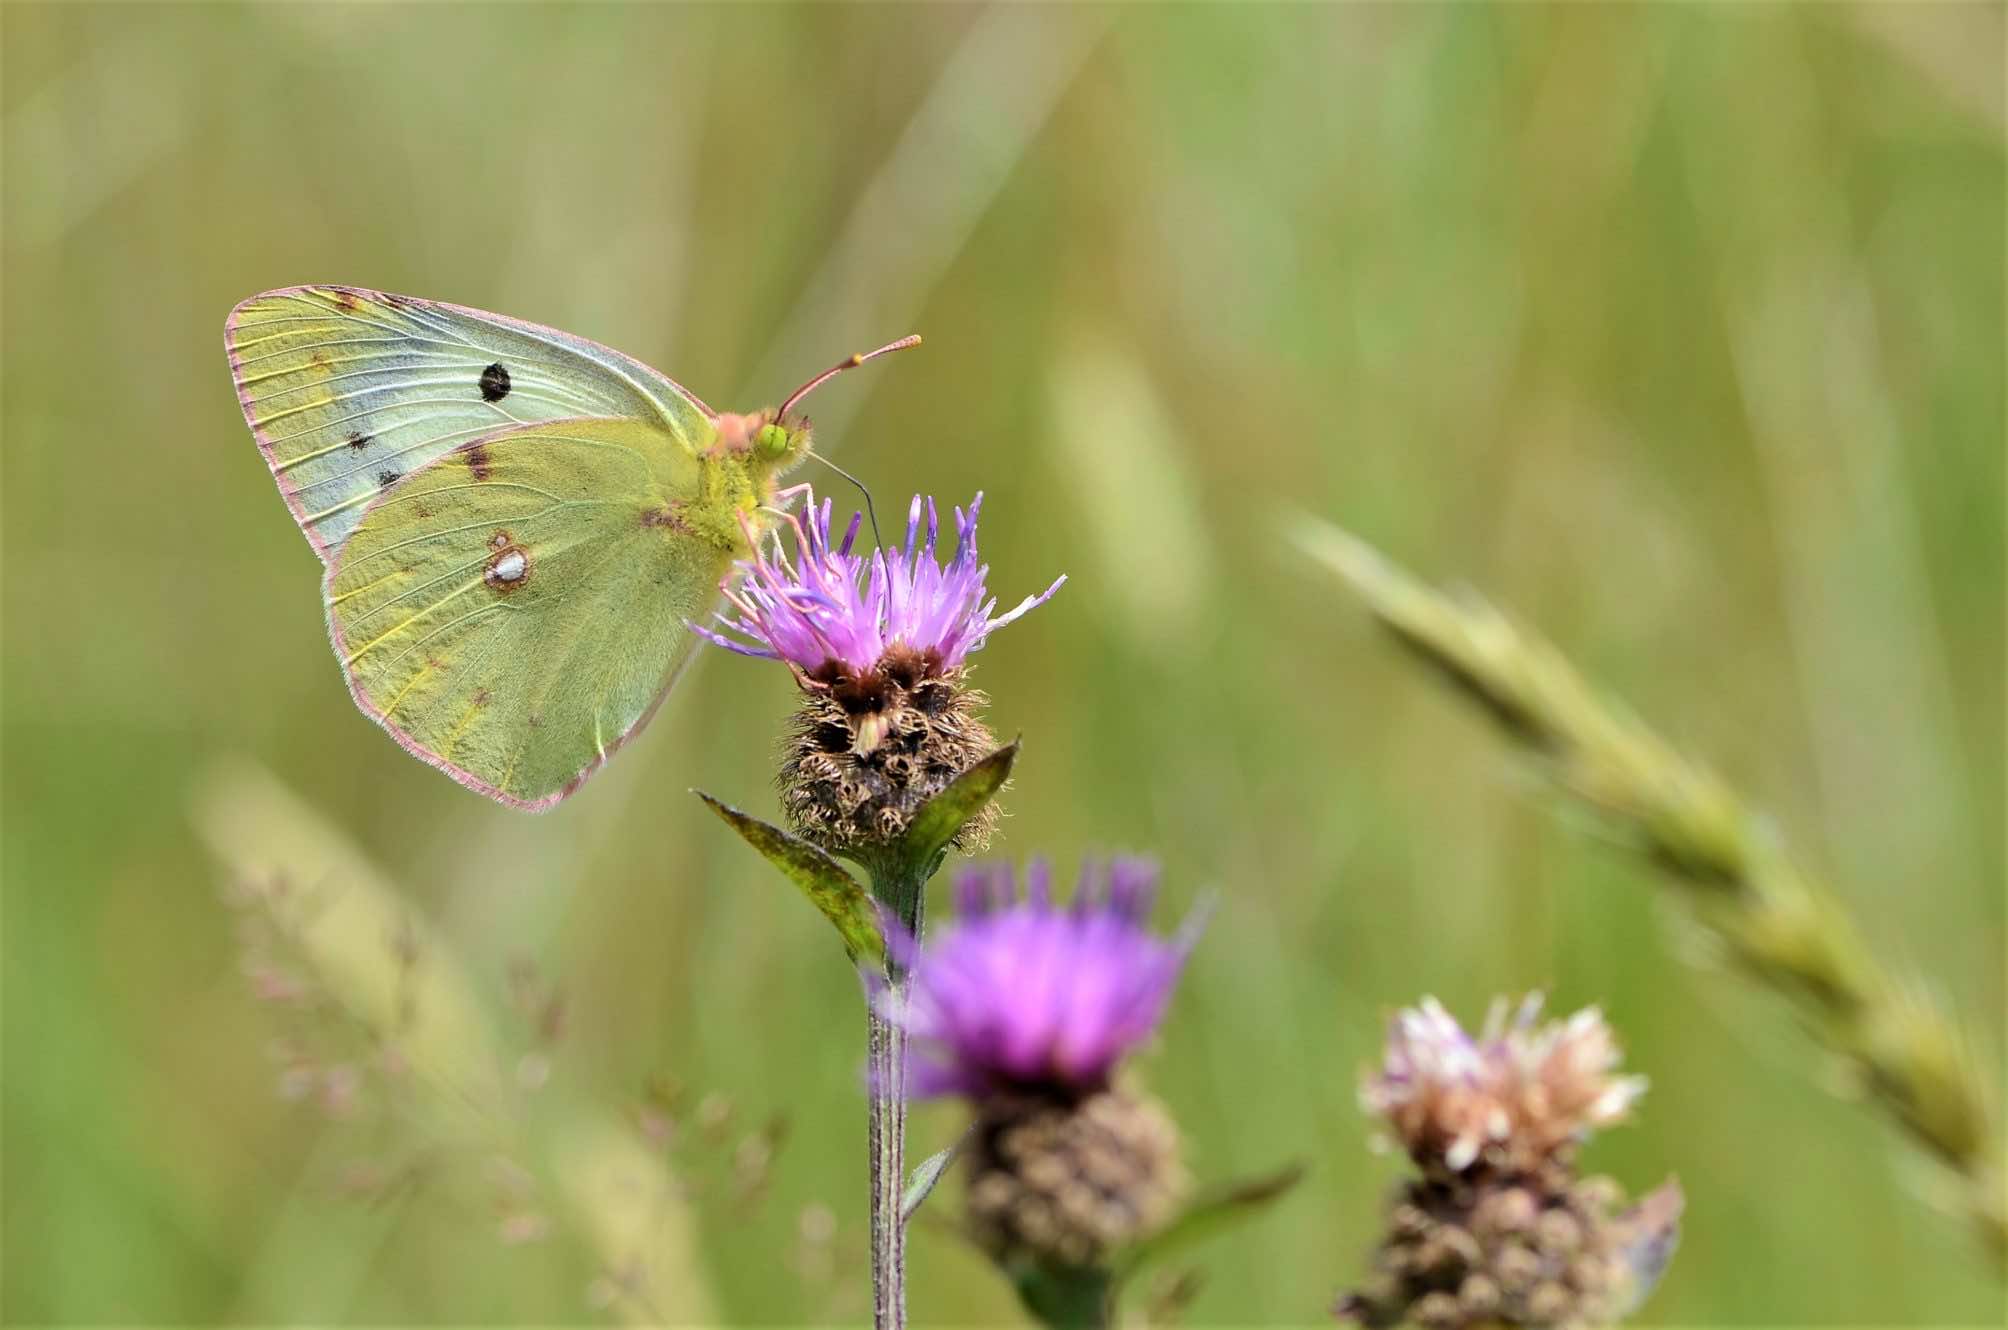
[507, 569]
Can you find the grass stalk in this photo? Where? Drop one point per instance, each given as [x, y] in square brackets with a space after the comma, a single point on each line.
[372, 953]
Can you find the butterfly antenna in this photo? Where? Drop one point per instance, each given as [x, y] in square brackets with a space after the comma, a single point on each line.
[848, 362]
[870, 512]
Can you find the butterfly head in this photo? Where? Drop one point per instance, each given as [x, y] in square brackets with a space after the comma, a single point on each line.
[762, 438]
[778, 445]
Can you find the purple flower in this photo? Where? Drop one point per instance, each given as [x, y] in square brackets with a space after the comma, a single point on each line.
[834, 611]
[1020, 993]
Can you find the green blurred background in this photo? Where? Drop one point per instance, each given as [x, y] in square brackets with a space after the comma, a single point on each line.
[1677, 329]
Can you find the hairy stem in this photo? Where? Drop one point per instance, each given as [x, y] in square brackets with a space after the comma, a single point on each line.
[886, 1127]
[904, 894]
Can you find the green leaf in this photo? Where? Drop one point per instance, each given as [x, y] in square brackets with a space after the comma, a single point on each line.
[1066, 1297]
[938, 820]
[1212, 1211]
[822, 879]
[925, 1175]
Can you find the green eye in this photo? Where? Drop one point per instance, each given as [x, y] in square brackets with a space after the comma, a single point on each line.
[771, 441]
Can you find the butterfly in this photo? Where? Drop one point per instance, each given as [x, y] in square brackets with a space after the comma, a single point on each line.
[517, 524]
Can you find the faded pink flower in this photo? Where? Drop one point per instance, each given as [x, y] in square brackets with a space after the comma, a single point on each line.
[1513, 1097]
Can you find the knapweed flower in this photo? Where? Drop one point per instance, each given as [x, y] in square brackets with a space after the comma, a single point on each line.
[1500, 1229]
[880, 645]
[835, 614]
[1027, 1008]
[1518, 1093]
[1021, 993]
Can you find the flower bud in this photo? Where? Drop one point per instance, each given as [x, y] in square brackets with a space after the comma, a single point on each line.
[1065, 1183]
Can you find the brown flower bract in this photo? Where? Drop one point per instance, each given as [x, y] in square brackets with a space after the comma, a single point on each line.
[864, 752]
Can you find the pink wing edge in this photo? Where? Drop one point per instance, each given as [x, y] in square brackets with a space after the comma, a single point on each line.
[437, 762]
[322, 549]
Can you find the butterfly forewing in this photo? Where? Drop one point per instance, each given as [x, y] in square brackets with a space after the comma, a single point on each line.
[512, 612]
[349, 391]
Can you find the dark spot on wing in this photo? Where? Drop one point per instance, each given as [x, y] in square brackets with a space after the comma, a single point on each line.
[396, 301]
[482, 697]
[669, 515]
[535, 720]
[344, 299]
[387, 477]
[477, 461]
[358, 440]
[494, 383]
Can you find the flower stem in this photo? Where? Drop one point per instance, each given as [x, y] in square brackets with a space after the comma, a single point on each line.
[903, 892]
[886, 1128]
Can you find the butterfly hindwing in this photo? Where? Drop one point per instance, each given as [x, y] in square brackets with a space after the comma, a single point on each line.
[512, 612]
[348, 391]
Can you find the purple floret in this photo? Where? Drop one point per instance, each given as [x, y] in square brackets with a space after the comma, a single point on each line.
[1020, 993]
[830, 607]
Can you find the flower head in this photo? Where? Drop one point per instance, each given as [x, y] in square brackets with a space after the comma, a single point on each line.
[1516, 1095]
[879, 644]
[1022, 994]
[1499, 1229]
[1026, 1007]
[1570, 1252]
[832, 613]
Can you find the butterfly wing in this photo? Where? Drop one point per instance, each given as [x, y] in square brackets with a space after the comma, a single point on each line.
[348, 391]
[513, 612]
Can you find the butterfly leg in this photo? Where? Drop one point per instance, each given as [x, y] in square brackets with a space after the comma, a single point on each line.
[784, 497]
